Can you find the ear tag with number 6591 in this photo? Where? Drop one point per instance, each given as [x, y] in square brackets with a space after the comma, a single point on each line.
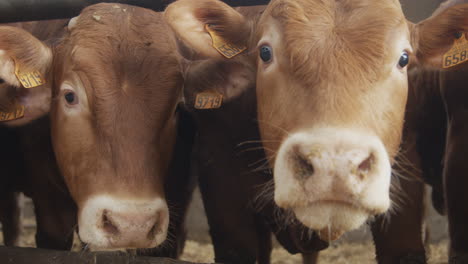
[458, 54]
[208, 100]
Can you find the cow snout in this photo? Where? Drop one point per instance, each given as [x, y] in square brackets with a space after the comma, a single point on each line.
[110, 224]
[310, 160]
[125, 229]
[332, 178]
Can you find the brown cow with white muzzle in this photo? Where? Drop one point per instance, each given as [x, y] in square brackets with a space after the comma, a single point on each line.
[331, 89]
[113, 85]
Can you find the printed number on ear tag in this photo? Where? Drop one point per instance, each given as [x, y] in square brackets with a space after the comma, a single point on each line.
[28, 79]
[13, 115]
[208, 100]
[223, 46]
[458, 54]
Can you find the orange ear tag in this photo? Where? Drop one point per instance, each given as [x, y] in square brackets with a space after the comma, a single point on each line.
[226, 49]
[29, 79]
[13, 115]
[208, 100]
[458, 54]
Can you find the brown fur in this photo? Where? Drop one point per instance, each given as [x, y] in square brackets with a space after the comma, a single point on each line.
[436, 36]
[125, 58]
[231, 26]
[29, 165]
[25, 50]
[448, 3]
[127, 143]
[350, 48]
[337, 36]
[332, 54]
[107, 53]
[238, 158]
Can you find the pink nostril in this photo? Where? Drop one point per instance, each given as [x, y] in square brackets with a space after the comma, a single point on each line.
[365, 166]
[107, 225]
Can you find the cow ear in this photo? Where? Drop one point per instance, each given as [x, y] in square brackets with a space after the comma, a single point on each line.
[25, 63]
[434, 37]
[194, 21]
[222, 80]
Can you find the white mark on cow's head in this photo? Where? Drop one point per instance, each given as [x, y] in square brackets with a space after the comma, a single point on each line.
[72, 23]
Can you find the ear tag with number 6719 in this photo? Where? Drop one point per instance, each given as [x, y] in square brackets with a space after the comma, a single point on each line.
[458, 54]
[28, 79]
[208, 100]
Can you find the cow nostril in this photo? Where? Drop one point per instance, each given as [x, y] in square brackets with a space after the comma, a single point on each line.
[154, 229]
[108, 226]
[365, 166]
[303, 165]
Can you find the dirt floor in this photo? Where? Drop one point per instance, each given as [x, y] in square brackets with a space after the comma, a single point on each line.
[338, 253]
[342, 253]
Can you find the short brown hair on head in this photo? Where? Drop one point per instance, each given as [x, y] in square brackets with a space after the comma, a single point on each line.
[345, 37]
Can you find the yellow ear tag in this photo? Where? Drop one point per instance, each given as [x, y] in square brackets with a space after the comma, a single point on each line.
[457, 54]
[208, 100]
[226, 49]
[15, 114]
[29, 79]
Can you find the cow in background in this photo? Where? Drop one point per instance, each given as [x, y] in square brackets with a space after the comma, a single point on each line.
[30, 167]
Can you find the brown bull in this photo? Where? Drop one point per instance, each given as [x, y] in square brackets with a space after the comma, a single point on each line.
[112, 85]
[331, 86]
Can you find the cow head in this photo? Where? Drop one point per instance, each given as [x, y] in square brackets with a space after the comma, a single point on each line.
[113, 84]
[331, 81]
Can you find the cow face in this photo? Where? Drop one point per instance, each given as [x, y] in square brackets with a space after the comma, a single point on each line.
[331, 87]
[115, 84]
[334, 146]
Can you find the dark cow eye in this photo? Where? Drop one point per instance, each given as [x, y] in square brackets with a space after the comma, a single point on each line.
[404, 59]
[71, 97]
[2, 81]
[266, 53]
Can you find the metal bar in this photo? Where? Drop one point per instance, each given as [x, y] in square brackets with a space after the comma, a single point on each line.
[18, 255]
[30, 10]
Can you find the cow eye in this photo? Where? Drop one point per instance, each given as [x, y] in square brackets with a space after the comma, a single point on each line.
[70, 97]
[266, 53]
[404, 59]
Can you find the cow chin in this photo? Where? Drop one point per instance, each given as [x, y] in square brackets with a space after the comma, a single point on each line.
[331, 219]
[109, 223]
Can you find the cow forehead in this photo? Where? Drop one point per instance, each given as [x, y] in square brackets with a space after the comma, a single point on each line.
[122, 33]
[350, 37]
[125, 58]
[141, 80]
[118, 47]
